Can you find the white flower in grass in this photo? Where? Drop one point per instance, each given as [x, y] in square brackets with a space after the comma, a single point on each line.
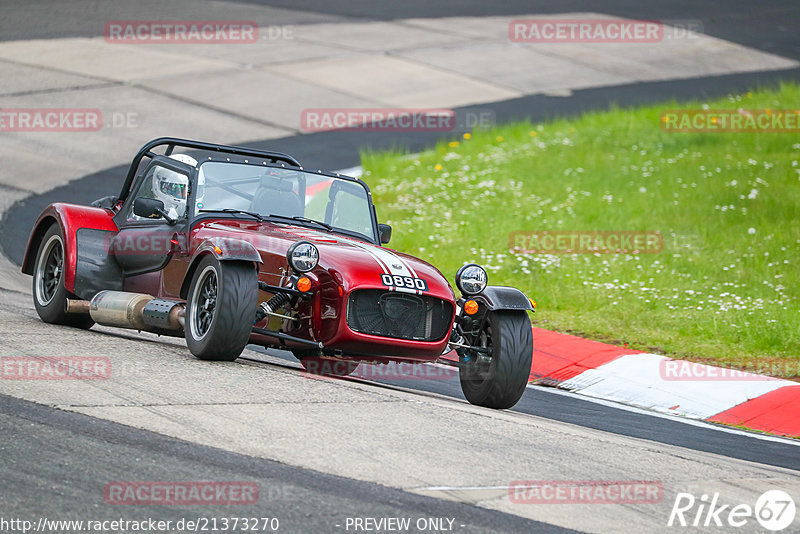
[751, 231]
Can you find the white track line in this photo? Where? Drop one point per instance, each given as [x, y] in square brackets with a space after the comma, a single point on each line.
[693, 422]
[646, 381]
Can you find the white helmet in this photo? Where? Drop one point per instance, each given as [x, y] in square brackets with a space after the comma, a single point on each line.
[172, 187]
[185, 158]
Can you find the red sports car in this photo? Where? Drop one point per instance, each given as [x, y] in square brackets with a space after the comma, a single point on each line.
[229, 246]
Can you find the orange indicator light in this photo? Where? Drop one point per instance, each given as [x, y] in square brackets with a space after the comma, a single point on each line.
[303, 284]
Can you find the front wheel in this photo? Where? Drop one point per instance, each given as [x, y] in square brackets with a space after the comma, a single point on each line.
[221, 308]
[498, 380]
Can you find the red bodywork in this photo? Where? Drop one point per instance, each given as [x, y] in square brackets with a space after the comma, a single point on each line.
[70, 217]
[345, 264]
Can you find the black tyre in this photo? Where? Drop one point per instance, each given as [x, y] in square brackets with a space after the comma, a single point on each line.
[221, 308]
[500, 380]
[49, 294]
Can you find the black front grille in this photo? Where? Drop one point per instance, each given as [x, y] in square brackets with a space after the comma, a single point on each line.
[398, 315]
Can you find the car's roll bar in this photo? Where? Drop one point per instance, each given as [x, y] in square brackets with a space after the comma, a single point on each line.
[173, 142]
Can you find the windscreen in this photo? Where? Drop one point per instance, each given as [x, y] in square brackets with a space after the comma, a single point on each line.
[277, 191]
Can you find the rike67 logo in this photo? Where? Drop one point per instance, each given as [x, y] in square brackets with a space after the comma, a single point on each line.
[774, 510]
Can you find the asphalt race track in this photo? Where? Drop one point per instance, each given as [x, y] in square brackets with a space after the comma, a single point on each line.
[568, 408]
[103, 449]
[325, 451]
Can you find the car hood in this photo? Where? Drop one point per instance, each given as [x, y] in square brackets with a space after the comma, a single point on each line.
[352, 262]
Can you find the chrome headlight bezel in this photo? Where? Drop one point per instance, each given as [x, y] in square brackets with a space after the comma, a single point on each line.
[471, 279]
[302, 256]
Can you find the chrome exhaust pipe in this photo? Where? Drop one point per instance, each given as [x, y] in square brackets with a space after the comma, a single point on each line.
[78, 306]
[135, 311]
[177, 316]
[120, 309]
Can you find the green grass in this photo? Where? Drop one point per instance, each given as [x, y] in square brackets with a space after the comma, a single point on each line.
[725, 286]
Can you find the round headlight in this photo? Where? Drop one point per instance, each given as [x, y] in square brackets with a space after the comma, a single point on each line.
[471, 279]
[302, 256]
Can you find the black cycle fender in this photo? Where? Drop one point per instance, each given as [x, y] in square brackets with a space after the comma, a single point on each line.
[503, 298]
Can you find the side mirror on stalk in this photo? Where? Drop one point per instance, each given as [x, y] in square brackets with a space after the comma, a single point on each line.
[385, 232]
[150, 208]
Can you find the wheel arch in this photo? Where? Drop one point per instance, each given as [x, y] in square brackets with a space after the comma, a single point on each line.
[69, 218]
[223, 252]
[497, 298]
[34, 242]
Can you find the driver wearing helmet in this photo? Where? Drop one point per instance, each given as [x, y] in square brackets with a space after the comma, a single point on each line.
[172, 187]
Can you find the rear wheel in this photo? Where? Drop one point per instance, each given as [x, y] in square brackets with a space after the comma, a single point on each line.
[221, 308]
[498, 380]
[49, 294]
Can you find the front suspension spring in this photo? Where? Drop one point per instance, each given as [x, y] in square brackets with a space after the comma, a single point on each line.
[278, 301]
